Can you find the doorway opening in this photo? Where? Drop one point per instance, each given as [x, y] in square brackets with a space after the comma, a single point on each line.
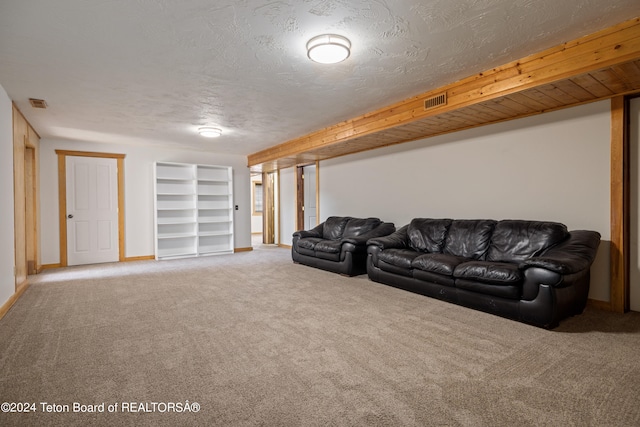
[307, 196]
[257, 209]
[271, 212]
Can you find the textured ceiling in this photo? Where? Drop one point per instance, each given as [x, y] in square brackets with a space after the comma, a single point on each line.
[153, 71]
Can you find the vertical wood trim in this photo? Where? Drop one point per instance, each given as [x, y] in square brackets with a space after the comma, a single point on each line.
[317, 192]
[619, 298]
[20, 140]
[62, 207]
[275, 188]
[265, 206]
[31, 229]
[277, 205]
[62, 199]
[26, 144]
[299, 198]
[271, 195]
[34, 141]
[268, 208]
[120, 173]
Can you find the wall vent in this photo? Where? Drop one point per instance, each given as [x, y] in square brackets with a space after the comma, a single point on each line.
[435, 101]
[38, 103]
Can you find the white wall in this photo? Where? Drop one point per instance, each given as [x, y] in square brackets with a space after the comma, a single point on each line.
[138, 175]
[553, 166]
[7, 251]
[287, 195]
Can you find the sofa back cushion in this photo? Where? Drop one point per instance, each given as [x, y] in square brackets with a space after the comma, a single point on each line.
[333, 227]
[427, 235]
[357, 226]
[469, 238]
[517, 240]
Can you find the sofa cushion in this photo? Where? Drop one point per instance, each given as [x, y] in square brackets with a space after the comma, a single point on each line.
[438, 263]
[331, 256]
[309, 242]
[334, 227]
[469, 238]
[329, 246]
[398, 257]
[518, 240]
[390, 268]
[438, 279]
[305, 251]
[491, 272]
[358, 226]
[502, 290]
[427, 235]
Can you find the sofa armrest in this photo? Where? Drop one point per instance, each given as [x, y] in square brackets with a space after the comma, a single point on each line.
[397, 239]
[383, 229]
[571, 256]
[314, 232]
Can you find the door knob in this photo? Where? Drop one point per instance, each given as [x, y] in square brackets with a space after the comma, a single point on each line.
[70, 216]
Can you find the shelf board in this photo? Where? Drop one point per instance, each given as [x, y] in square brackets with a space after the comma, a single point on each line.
[174, 179]
[214, 233]
[167, 221]
[174, 255]
[215, 252]
[212, 221]
[175, 235]
[214, 181]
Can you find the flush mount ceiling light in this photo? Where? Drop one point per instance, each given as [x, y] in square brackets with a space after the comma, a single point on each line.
[209, 132]
[328, 49]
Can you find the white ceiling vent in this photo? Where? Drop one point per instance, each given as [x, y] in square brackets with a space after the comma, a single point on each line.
[435, 101]
[38, 103]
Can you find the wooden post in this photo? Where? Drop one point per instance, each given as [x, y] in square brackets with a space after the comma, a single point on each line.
[619, 298]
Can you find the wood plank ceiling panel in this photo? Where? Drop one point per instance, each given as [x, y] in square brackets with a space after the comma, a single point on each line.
[595, 67]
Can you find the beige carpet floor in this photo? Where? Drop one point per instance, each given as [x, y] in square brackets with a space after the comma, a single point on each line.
[251, 339]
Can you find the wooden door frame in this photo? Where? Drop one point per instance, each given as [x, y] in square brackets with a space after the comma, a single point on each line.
[299, 198]
[268, 208]
[62, 198]
[300, 194]
[31, 207]
[26, 143]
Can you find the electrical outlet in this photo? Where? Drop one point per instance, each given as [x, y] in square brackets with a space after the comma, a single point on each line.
[236, 207]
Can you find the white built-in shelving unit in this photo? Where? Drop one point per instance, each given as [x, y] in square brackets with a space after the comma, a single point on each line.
[194, 210]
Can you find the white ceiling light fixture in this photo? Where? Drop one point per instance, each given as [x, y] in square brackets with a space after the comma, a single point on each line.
[210, 132]
[328, 49]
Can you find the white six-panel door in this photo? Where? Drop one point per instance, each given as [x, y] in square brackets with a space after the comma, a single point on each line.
[92, 210]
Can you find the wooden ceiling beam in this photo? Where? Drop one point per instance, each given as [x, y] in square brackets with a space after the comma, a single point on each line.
[611, 47]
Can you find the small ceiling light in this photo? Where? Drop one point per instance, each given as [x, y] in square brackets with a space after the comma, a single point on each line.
[209, 132]
[328, 49]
